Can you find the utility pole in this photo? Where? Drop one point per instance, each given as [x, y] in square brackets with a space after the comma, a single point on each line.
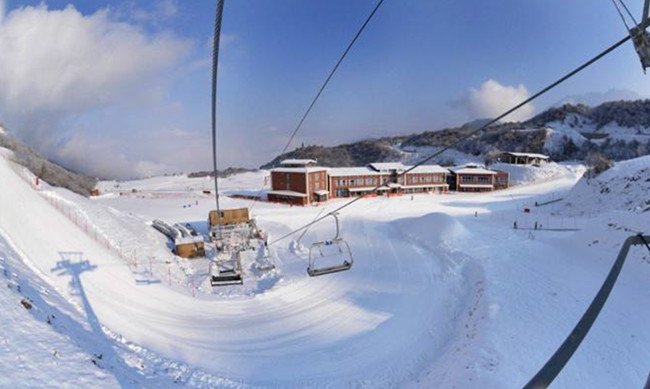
[215, 65]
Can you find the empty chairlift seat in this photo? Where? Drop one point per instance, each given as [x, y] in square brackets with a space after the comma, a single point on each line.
[330, 256]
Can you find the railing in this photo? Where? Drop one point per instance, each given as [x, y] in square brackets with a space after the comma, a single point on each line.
[137, 263]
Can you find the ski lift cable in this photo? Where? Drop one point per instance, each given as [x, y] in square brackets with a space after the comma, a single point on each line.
[618, 9]
[561, 357]
[322, 88]
[471, 134]
[215, 68]
[628, 12]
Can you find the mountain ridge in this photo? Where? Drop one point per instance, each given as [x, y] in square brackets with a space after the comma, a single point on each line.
[617, 129]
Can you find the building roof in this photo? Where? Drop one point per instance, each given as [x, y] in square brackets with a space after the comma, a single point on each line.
[471, 168]
[307, 169]
[351, 171]
[428, 169]
[529, 155]
[322, 192]
[289, 193]
[387, 166]
[302, 162]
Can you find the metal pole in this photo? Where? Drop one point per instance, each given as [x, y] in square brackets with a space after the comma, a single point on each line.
[215, 66]
[644, 18]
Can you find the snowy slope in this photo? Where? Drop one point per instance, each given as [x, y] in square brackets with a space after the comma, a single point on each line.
[35, 349]
[443, 292]
[624, 187]
[525, 174]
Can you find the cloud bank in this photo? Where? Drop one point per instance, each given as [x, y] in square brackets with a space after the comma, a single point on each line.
[59, 65]
[493, 99]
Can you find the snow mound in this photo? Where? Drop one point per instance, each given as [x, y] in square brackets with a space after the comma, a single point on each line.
[433, 229]
[624, 187]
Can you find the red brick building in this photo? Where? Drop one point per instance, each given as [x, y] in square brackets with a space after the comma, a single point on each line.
[355, 181]
[476, 178]
[427, 178]
[298, 182]
[301, 182]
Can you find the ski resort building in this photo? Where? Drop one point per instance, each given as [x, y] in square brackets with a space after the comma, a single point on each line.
[354, 181]
[299, 182]
[523, 158]
[427, 178]
[476, 178]
[302, 182]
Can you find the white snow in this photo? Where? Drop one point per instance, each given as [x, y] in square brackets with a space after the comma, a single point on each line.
[443, 291]
[624, 187]
[526, 174]
[555, 134]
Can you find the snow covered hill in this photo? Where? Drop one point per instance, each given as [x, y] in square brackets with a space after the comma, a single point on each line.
[443, 292]
[624, 187]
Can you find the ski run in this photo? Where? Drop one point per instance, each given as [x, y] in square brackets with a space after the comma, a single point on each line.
[444, 291]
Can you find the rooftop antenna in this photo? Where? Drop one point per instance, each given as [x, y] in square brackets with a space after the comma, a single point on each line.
[215, 66]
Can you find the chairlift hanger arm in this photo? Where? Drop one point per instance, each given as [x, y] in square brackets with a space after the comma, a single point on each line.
[556, 363]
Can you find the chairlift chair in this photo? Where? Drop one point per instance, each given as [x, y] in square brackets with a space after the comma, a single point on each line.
[226, 272]
[337, 247]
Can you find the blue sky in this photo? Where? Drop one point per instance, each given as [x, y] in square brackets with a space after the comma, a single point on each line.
[420, 65]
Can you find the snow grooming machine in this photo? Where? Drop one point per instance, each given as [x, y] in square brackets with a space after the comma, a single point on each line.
[337, 248]
[226, 272]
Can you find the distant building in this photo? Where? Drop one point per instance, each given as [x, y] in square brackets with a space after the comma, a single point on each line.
[299, 182]
[302, 182]
[386, 178]
[516, 158]
[476, 178]
[427, 178]
[353, 181]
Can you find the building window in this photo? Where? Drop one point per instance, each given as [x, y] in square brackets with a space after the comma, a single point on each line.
[467, 179]
[484, 180]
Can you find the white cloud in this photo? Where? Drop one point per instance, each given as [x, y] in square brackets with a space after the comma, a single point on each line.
[59, 65]
[492, 99]
[63, 61]
[117, 159]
